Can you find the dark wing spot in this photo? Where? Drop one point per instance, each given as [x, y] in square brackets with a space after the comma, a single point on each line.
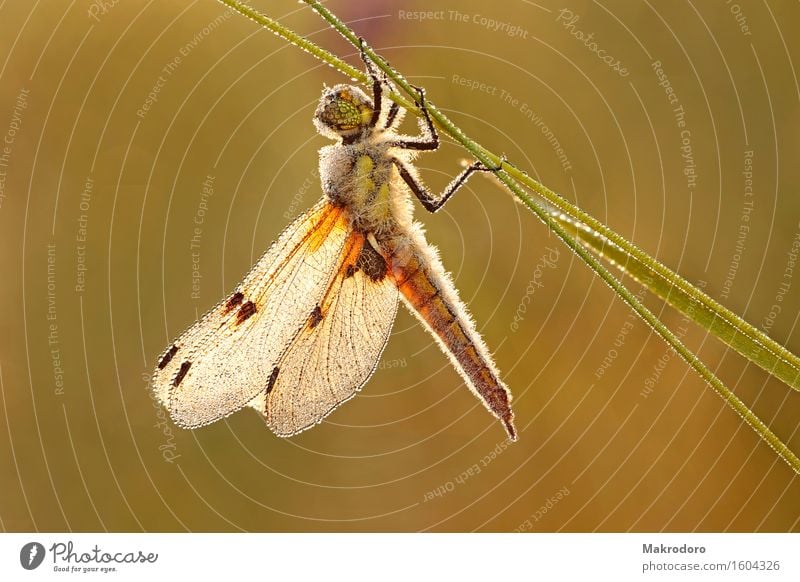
[371, 262]
[315, 317]
[232, 302]
[181, 373]
[272, 379]
[245, 312]
[167, 357]
[350, 271]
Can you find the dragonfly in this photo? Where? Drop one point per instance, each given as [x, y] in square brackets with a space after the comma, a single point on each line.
[304, 330]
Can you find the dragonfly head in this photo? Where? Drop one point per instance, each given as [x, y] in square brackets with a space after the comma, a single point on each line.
[343, 110]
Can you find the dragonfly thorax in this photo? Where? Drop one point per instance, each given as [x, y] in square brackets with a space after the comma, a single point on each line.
[359, 176]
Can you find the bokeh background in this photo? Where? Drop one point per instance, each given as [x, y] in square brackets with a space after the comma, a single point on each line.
[101, 265]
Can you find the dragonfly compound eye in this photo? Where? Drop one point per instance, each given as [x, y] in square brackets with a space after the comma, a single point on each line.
[343, 109]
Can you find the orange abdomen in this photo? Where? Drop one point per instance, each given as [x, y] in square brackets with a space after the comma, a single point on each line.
[430, 293]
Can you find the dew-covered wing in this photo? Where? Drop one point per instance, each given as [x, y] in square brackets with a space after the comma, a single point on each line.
[223, 361]
[338, 349]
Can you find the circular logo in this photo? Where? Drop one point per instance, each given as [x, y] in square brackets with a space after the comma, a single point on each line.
[31, 555]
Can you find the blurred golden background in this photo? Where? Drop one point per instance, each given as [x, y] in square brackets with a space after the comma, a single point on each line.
[153, 150]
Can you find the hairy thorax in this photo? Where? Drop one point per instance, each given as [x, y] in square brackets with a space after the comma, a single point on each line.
[362, 178]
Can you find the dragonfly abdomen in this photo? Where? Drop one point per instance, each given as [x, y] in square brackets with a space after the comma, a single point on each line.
[430, 294]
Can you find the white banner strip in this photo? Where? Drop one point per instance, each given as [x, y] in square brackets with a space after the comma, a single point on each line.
[119, 557]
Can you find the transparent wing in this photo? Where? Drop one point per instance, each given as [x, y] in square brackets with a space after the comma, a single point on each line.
[223, 361]
[338, 350]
